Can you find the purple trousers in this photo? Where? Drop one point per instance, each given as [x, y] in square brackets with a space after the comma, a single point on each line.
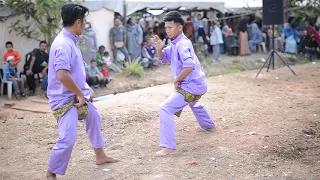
[67, 127]
[167, 110]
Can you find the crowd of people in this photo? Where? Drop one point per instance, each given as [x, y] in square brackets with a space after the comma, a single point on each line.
[135, 41]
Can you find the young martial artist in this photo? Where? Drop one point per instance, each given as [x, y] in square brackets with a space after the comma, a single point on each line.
[189, 82]
[69, 93]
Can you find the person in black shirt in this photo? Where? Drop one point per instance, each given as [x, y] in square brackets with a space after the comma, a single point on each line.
[37, 64]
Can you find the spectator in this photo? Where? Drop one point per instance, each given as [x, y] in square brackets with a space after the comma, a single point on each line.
[11, 52]
[312, 48]
[216, 40]
[11, 73]
[90, 43]
[99, 56]
[243, 34]
[105, 73]
[108, 61]
[298, 34]
[149, 55]
[37, 64]
[311, 30]
[118, 41]
[94, 76]
[256, 37]
[135, 37]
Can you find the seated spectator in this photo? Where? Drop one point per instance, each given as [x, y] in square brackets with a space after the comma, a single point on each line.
[12, 75]
[37, 64]
[94, 76]
[11, 52]
[290, 44]
[256, 38]
[105, 73]
[100, 55]
[108, 61]
[149, 55]
[312, 48]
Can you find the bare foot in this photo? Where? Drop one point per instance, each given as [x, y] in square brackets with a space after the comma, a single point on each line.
[164, 152]
[105, 160]
[208, 129]
[51, 176]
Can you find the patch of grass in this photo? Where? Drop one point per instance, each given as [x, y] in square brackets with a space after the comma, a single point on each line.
[231, 69]
[133, 68]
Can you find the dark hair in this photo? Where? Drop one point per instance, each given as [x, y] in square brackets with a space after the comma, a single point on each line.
[9, 43]
[129, 21]
[100, 47]
[106, 53]
[93, 61]
[174, 16]
[42, 42]
[72, 12]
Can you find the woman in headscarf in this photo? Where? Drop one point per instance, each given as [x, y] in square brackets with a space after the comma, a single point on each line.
[256, 37]
[88, 44]
[290, 42]
[135, 38]
[243, 34]
[216, 40]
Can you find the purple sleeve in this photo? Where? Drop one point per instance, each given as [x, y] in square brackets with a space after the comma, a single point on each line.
[62, 58]
[166, 54]
[186, 56]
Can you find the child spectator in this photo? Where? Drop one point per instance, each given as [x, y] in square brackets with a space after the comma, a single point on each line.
[94, 76]
[100, 55]
[11, 75]
[108, 61]
[11, 52]
[105, 73]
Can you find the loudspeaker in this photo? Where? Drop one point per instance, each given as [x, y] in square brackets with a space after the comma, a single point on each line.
[273, 12]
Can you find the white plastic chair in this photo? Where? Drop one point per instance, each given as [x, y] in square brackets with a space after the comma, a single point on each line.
[9, 85]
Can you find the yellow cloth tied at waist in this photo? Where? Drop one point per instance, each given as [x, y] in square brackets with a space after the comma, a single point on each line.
[188, 97]
[62, 110]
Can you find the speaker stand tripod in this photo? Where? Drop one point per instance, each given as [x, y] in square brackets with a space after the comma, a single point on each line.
[270, 59]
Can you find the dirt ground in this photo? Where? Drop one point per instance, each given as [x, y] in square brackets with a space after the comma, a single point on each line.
[267, 128]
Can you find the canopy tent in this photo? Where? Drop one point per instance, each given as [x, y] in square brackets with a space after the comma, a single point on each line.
[96, 5]
[136, 5]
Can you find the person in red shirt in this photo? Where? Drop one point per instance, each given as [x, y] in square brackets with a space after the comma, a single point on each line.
[105, 72]
[311, 31]
[11, 52]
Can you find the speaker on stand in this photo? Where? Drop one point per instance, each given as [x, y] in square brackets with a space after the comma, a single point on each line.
[273, 14]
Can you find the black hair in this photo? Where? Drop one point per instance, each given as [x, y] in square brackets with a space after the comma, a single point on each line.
[106, 53]
[93, 61]
[100, 47]
[174, 16]
[72, 12]
[129, 21]
[42, 42]
[9, 43]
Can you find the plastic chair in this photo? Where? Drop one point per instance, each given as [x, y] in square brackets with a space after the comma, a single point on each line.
[9, 85]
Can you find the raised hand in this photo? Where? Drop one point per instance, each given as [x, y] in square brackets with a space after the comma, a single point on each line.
[159, 43]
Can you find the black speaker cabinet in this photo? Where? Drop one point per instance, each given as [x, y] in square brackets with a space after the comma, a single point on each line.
[273, 12]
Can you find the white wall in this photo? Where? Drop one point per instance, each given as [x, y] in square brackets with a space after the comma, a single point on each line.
[101, 22]
[22, 44]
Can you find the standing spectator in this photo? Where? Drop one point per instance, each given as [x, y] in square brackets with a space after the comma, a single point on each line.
[256, 37]
[203, 23]
[243, 34]
[90, 43]
[11, 52]
[135, 37]
[144, 23]
[11, 75]
[189, 29]
[216, 40]
[152, 20]
[37, 64]
[298, 34]
[118, 40]
[149, 55]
